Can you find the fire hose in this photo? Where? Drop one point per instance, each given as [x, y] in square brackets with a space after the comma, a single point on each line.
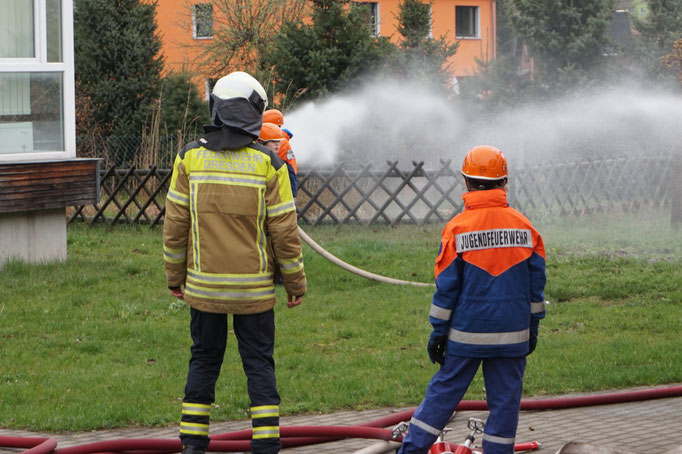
[306, 435]
[348, 267]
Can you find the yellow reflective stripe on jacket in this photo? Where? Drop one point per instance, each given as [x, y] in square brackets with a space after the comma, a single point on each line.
[229, 279]
[265, 432]
[174, 175]
[225, 294]
[195, 227]
[193, 428]
[281, 208]
[265, 411]
[261, 237]
[290, 266]
[235, 180]
[178, 197]
[195, 409]
[174, 255]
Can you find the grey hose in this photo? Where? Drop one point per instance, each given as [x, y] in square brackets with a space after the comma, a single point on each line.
[379, 448]
[366, 274]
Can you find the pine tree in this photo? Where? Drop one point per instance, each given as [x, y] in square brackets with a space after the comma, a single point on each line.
[313, 59]
[657, 31]
[566, 38]
[182, 109]
[673, 61]
[117, 62]
[421, 56]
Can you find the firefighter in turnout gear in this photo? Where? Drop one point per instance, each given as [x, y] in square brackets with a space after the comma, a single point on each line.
[490, 279]
[230, 223]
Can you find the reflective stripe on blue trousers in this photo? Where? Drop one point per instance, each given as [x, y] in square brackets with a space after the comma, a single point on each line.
[503, 384]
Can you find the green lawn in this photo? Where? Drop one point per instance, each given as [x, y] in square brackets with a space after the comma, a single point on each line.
[98, 341]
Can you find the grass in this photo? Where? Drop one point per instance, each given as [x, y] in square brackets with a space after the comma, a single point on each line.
[98, 342]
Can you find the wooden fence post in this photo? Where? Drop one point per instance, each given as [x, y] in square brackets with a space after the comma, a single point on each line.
[676, 195]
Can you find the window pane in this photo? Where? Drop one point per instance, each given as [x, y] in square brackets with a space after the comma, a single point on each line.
[465, 21]
[54, 30]
[16, 29]
[374, 18]
[203, 20]
[31, 116]
[371, 12]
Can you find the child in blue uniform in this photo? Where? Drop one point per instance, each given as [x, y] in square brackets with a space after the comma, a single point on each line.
[490, 278]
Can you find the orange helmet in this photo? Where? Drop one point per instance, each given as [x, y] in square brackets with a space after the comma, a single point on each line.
[485, 163]
[270, 131]
[273, 116]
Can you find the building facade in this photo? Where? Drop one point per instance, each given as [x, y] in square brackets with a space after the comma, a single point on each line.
[187, 25]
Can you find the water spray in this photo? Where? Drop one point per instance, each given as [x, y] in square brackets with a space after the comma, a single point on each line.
[403, 120]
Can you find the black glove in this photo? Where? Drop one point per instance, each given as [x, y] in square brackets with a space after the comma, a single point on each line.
[533, 341]
[436, 348]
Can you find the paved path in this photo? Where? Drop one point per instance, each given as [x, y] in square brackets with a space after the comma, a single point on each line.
[646, 427]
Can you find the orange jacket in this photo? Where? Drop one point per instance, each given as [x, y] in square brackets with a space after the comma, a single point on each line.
[490, 278]
[286, 153]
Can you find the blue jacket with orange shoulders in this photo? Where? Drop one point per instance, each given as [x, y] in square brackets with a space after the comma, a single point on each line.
[490, 278]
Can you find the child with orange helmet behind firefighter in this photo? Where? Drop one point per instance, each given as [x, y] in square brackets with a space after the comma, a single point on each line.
[273, 137]
[490, 279]
[284, 151]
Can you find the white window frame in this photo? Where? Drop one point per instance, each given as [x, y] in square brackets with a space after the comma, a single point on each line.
[208, 86]
[375, 31]
[39, 64]
[194, 20]
[430, 21]
[478, 22]
[377, 19]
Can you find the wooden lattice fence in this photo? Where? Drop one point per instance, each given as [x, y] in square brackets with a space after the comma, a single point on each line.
[128, 195]
[348, 193]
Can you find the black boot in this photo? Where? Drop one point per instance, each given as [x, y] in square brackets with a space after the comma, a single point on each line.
[190, 449]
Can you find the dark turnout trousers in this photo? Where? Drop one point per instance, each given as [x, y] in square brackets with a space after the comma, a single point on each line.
[255, 338]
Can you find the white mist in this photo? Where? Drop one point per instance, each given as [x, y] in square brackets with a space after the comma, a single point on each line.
[391, 120]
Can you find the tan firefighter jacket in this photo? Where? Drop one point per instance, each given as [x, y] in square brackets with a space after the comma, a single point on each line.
[230, 220]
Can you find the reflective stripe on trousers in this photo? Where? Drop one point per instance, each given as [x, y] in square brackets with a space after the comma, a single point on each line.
[503, 383]
[255, 335]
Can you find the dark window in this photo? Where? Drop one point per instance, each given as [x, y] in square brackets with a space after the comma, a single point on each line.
[202, 20]
[466, 21]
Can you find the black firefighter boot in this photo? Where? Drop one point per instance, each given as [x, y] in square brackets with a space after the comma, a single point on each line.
[190, 449]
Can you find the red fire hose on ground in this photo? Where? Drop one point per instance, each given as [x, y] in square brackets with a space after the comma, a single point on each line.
[36, 445]
[307, 435]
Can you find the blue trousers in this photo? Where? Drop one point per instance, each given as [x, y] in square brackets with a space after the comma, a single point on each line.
[255, 339]
[503, 384]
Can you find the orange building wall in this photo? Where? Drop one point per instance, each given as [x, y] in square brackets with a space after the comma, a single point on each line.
[181, 50]
[463, 63]
[174, 20]
[483, 47]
